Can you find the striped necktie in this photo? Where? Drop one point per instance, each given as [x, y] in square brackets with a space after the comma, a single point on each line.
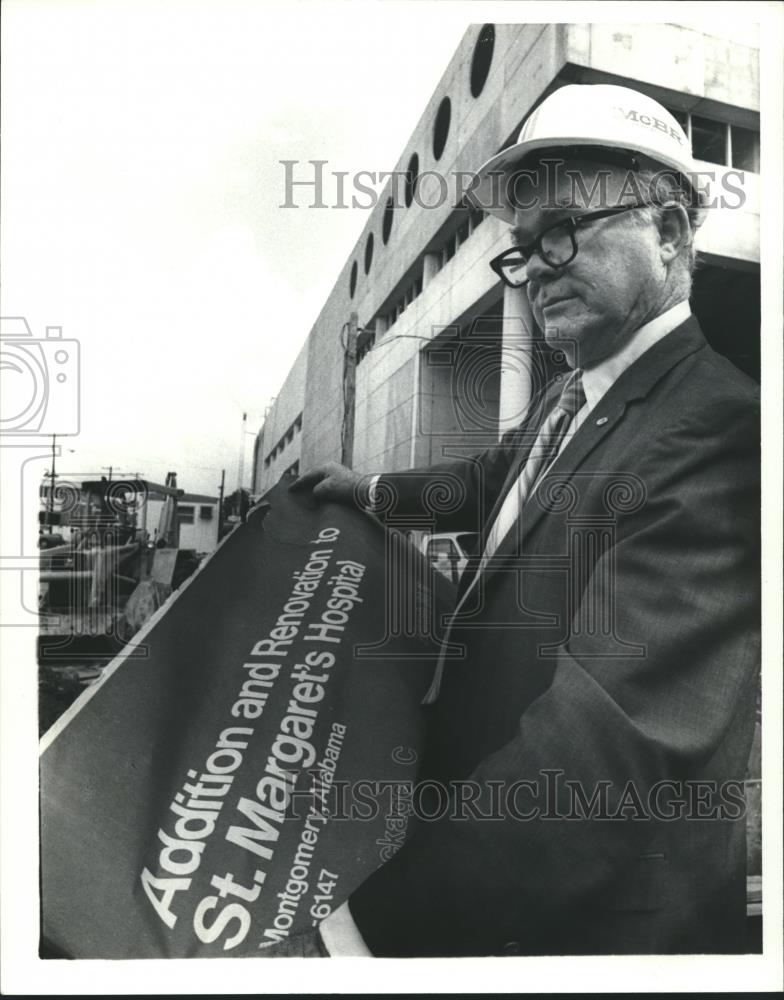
[544, 450]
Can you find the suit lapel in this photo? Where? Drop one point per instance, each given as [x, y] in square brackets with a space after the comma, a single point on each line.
[635, 383]
[565, 465]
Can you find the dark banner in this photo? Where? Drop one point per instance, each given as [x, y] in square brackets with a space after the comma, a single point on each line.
[245, 763]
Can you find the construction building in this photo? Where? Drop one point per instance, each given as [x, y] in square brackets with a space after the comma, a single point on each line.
[419, 352]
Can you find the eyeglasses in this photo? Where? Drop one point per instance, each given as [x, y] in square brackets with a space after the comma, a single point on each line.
[556, 246]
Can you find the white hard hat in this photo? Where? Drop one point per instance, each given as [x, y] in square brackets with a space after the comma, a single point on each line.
[616, 119]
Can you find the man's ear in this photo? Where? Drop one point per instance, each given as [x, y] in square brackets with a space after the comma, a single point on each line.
[674, 231]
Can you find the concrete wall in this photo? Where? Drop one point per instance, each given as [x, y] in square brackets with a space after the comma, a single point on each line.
[705, 73]
[731, 227]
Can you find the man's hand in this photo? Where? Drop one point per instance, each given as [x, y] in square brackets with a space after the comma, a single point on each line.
[330, 482]
[305, 945]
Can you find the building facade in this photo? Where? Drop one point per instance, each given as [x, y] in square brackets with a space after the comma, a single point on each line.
[445, 357]
[278, 444]
[199, 519]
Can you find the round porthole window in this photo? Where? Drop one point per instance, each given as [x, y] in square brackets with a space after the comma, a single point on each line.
[441, 127]
[412, 176]
[386, 224]
[368, 252]
[483, 57]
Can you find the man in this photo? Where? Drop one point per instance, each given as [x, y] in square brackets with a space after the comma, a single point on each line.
[611, 626]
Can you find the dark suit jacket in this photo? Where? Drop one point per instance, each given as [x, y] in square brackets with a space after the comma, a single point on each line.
[613, 645]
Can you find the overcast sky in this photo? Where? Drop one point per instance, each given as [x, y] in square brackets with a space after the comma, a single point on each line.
[141, 185]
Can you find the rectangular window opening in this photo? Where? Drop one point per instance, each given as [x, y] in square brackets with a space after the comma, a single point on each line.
[185, 515]
[745, 149]
[709, 140]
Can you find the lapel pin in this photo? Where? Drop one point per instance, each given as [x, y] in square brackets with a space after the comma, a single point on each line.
[601, 421]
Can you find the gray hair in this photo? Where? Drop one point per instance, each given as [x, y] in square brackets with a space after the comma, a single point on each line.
[665, 188]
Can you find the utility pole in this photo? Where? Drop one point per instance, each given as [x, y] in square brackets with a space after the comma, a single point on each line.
[349, 392]
[241, 463]
[220, 502]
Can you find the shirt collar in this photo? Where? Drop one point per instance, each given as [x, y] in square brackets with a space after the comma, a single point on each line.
[596, 381]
